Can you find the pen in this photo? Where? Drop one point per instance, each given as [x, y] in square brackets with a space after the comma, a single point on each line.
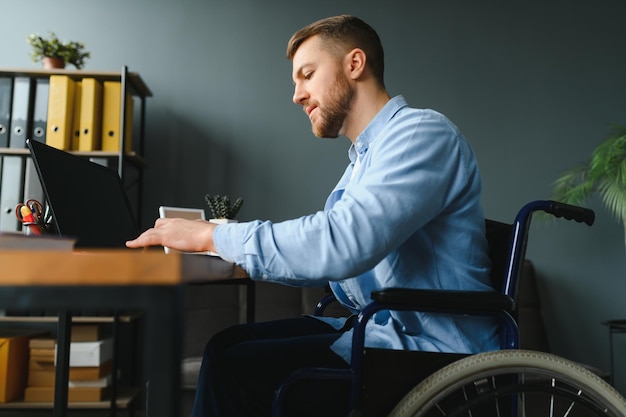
[29, 220]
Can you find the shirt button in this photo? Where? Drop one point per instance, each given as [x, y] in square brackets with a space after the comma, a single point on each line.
[265, 276]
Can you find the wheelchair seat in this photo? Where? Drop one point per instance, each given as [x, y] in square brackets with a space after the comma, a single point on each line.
[507, 247]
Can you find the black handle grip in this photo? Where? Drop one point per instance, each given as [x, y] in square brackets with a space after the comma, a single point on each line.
[570, 212]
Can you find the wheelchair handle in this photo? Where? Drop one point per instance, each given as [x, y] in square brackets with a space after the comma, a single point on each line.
[570, 212]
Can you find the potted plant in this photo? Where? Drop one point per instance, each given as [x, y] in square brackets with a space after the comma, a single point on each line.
[604, 173]
[55, 53]
[221, 209]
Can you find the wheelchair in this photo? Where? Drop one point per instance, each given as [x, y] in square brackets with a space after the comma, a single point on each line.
[507, 382]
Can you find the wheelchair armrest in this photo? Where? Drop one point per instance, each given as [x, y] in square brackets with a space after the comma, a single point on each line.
[444, 301]
[323, 303]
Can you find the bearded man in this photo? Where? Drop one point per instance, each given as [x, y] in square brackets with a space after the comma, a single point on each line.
[406, 213]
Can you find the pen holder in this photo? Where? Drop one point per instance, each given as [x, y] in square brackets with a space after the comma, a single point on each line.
[36, 228]
[31, 228]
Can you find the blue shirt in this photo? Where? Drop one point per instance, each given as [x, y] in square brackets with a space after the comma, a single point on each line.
[409, 217]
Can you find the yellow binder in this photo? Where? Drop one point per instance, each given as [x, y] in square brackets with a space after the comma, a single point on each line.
[111, 112]
[60, 111]
[76, 116]
[90, 115]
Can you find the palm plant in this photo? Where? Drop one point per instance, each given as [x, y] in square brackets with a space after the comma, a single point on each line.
[604, 173]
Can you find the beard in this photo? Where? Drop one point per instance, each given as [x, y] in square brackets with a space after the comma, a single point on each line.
[334, 112]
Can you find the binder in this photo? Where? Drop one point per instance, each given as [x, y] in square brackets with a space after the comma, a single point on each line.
[6, 90]
[40, 109]
[111, 121]
[75, 139]
[11, 186]
[90, 115]
[20, 111]
[60, 111]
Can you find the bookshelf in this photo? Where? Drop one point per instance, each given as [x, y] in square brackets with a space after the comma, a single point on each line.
[124, 391]
[128, 163]
[22, 180]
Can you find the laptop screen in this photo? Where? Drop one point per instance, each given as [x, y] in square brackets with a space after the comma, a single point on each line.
[87, 200]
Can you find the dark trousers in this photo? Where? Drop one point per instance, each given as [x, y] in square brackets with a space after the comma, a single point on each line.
[244, 364]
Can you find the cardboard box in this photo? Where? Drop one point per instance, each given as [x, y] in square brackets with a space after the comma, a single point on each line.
[88, 373]
[40, 378]
[42, 355]
[41, 374]
[82, 394]
[42, 342]
[47, 379]
[90, 354]
[87, 332]
[13, 364]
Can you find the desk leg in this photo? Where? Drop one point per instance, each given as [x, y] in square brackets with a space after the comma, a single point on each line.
[250, 302]
[163, 318]
[63, 363]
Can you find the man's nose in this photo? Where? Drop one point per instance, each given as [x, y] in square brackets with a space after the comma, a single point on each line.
[299, 95]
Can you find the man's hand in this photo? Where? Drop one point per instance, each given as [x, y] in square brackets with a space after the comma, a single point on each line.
[179, 234]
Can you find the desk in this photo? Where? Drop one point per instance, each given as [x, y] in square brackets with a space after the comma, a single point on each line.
[146, 281]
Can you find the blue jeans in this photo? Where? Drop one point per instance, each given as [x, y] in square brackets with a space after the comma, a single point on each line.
[243, 365]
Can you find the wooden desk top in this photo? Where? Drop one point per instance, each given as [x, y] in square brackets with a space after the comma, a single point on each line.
[111, 267]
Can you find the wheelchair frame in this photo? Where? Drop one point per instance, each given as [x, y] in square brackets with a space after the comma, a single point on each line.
[501, 304]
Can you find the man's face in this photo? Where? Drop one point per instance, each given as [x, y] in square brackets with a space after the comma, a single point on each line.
[321, 88]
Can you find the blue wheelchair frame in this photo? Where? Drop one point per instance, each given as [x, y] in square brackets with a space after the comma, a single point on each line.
[500, 303]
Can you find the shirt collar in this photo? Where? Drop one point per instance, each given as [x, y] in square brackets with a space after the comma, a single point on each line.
[375, 126]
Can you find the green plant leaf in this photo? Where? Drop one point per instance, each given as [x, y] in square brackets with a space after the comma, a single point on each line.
[221, 208]
[72, 52]
[604, 173]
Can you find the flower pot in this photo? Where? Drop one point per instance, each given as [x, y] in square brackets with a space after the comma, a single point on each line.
[222, 221]
[50, 62]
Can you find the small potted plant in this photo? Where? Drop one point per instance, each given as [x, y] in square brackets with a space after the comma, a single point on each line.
[221, 209]
[54, 53]
[604, 173]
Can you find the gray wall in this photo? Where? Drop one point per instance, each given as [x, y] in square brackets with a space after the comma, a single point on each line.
[533, 85]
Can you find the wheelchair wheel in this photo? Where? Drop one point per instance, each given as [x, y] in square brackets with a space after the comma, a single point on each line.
[516, 383]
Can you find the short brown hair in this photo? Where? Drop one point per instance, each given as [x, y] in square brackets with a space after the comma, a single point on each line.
[341, 34]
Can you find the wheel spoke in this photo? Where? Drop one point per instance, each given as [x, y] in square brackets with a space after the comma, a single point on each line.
[552, 382]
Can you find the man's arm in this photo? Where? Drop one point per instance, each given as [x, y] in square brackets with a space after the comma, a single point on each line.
[180, 234]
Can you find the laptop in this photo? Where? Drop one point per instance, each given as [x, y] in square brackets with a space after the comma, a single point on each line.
[87, 201]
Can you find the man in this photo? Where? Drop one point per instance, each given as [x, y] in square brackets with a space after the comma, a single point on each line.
[406, 213]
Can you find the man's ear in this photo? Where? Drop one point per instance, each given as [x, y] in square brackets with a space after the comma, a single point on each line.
[355, 63]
